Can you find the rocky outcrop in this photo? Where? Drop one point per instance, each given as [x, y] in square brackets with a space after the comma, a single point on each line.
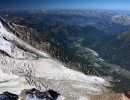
[8, 96]
[38, 95]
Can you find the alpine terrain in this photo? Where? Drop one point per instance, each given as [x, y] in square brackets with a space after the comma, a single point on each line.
[56, 59]
[26, 64]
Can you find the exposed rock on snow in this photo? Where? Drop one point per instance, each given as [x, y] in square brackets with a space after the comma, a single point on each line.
[34, 94]
[44, 73]
[8, 96]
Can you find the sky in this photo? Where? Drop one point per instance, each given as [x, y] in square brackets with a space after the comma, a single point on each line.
[65, 4]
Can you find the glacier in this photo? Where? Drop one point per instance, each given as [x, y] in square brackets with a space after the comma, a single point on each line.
[44, 72]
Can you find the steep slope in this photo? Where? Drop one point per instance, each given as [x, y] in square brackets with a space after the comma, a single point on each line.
[116, 49]
[76, 39]
[72, 34]
[60, 52]
[44, 72]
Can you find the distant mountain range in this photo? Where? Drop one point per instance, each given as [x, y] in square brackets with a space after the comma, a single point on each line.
[110, 22]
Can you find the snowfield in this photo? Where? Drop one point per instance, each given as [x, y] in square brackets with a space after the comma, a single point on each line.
[44, 72]
[12, 83]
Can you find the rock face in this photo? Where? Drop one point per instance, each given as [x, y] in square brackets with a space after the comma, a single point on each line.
[34, 94]
[110, 96]
[8, 96]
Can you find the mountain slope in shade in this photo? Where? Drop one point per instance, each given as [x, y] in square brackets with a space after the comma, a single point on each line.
[116, 49]
[43, 72]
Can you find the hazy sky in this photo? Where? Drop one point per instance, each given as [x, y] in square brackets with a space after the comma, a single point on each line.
[65, 4]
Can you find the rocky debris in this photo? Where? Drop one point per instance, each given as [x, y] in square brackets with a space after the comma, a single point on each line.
[8, 96]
